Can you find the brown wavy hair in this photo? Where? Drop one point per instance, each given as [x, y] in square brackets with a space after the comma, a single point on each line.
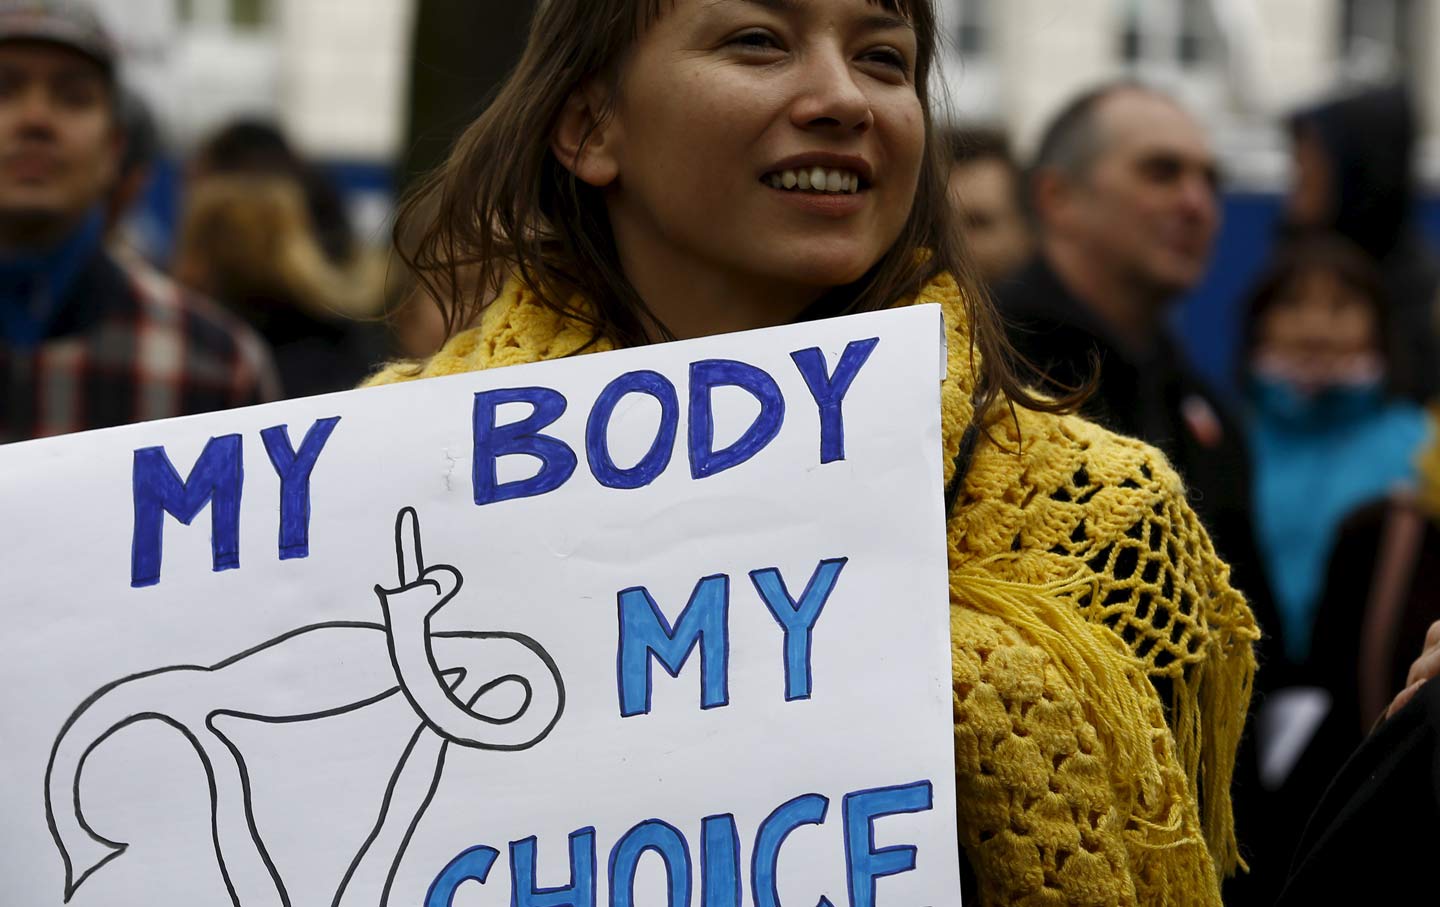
[503, 205]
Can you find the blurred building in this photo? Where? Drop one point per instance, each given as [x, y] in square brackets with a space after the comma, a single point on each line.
[336, 73]
[1239, 64]
[332, 73]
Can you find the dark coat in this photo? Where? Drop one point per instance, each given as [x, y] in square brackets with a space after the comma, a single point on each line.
[314, 354]
[1375, 833]
[1158, 398]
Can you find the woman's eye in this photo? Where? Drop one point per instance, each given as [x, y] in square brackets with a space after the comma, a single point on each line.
[756, 40]
[888, 56]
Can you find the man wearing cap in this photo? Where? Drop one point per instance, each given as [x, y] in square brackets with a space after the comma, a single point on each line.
[82, 344]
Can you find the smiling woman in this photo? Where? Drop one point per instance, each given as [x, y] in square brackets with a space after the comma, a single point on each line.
[633, 145]
[824, 91]
[660, 169]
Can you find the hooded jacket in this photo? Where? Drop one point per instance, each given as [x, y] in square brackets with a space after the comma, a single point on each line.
[1369, 141]
[1079, 579]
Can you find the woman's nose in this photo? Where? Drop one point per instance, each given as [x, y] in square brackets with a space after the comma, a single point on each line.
[830, 97]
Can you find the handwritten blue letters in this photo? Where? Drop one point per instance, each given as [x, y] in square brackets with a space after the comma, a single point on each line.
[216, 479]
[719, 883]
[558, 460]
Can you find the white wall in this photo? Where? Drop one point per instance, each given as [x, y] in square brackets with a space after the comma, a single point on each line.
[333, 72]
[1297, 42]
[344, 66]
[146, 33]
[1282, 53]
[1428, 93]
[1052, 50]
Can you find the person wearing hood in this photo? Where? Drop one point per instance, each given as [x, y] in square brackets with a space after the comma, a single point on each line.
[1354, 175]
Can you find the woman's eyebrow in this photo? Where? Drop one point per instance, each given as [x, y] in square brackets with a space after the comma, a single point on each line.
[875, 22]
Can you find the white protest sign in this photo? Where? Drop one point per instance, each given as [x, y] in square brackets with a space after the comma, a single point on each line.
[664, 626]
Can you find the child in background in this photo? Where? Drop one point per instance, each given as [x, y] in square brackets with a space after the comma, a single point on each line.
[1326, 435]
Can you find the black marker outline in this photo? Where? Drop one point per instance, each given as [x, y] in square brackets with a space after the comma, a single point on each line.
[449, 679]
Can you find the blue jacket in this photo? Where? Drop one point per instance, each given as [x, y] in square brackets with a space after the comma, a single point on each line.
[1316, 458]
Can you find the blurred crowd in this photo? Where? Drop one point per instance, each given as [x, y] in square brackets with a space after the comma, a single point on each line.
[1319, 482]
[266, 292]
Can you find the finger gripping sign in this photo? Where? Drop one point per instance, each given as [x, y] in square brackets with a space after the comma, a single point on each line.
[656, 627]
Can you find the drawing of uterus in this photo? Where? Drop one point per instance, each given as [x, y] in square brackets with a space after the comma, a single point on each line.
[448, 678]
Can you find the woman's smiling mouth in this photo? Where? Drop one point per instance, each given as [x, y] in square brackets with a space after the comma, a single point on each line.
[815, 179]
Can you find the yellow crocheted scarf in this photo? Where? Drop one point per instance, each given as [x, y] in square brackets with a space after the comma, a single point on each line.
[1069, 542]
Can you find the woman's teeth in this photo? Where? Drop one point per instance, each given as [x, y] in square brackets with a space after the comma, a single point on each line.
[815, 179]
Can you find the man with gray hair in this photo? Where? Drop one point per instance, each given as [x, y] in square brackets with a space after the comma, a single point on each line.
[1123, 190]
[1124, 193]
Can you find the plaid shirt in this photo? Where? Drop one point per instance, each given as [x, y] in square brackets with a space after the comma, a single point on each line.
[131, 346]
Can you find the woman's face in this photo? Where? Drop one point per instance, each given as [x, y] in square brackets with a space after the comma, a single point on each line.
[770, 145]
[1320, 331]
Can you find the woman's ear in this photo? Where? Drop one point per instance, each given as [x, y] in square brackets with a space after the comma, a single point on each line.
[585, 139]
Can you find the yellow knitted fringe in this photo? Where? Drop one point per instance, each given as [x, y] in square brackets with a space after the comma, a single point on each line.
[1120, 703]
[1225, 683]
